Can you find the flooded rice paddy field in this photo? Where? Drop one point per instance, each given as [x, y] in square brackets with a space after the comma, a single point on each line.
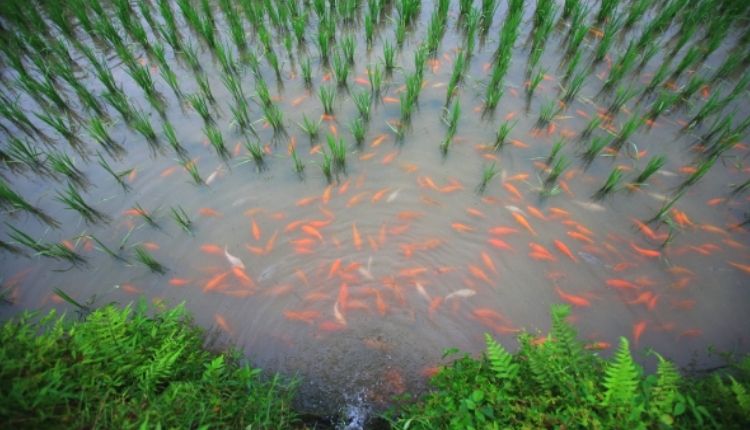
[357, 273]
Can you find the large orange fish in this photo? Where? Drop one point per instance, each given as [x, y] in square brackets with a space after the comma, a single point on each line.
[215, 282]
[638, 329]
[499, 244]
[651, 253]
[221, 321]
[307, 316]
[461, 228]
[572, 299]
[210, 248]
[479, 274]
[255, 230]
[523, 222]
[512, 190]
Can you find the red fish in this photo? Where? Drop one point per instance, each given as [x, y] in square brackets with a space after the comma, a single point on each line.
[208, 212]
[500, 244]
[312, 231]
[479, 274]
[512, 190]
[488, 262]
[221, 321]
[524, 223]
[573, 299]
[638, 329]
[461, 228]
[307, 317]
[210, 248]
[565, 250]
[255, 230]
[178, 282]
[621, 283]
[651, 253]
[501, 230]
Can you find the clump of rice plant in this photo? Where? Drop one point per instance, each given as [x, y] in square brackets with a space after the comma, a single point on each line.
[272, 114]
[9, 199]
[502, 133]
[118, 176]
[98, 131]
[142, 124]
[340, 69]
[306, 72]
[534, 82]
[171, 136]
[547, 113]
[144, 257]
[299, 165]
[74, 201]
[149, 218]
[310, 127]
[614, 178]
[664, 101]
[631, 126]
[574, 87]
[337, 149]
[389, 55]
[622, 96]
[556, 169]
[592, 125]
[216, 140]
[256, 154]
[456, 76]
[21, 154]
[327, 99]
[451, 120]
[488, 173]
[375, 76]
[595, 147]
[200, 105]
[358, 130]
[653, 165]
[182, 219]
[56, 251]
[363, 100]
[192, 169]
[700, 171]
[105, 248]
[61, 163]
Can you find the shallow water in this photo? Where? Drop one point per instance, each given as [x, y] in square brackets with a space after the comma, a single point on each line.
[403, 228]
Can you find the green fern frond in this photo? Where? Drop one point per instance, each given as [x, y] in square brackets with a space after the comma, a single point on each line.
[501, 362]
[564, 336]
[621, 379]
[741, 394]
[665, 392]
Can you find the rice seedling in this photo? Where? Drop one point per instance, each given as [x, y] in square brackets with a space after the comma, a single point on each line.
[216, 140]
[653, 165]
[348, 47]
[547, 113]
[142, 77]
[119, 176]
[200, 105]
[664, 101]
[60, 126]
[557, 168]
[487, 11]
[741, 187]
[492, 97]
[389, 54]
[56, 251]
[696, 82]
[502, 133]
[273, 116]
[97, 129]
[192, 170]
[574, 87]
[452, 117]
[12, 112]
[622, 96]
[105, 248]
[338, 152]
[622, 67]
[9, 199]
[144, 257]
[700, 172]
[306, 71]
[661, 22]
[142, 124]
[555, 151]
[614, 178]
[628, 128]
[687, 60]
[592, 125]
[358, 130]
[74, 201]
[662, 213]
[20, 153]
[647, 53]
[148, 217]
[310, 127]
[62, 164]
[472, 22]
[456, 76]
[299, 26]
[534, 82]
[326, 166]
[730, 65]
[577, 34]
[340, 69]
[488, 173]
[323, 44]
[327, 98]
[120, 102]
[363, 101]
[605, 43]
[636, 11]
[606, 9]
[595, 147]
[256, 154]
[375, 76]
[369, 29]
[202, 80]
[299, 166]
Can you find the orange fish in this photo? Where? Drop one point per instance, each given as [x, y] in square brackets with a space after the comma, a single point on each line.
[312, 231]
[389, 157]
[475, 212]
[210, 248]
[208, 212]
[307, 317]
[223, 324]
[271, 242]
[578, 236]
[645, 252]
[565, 250]
[214, 282]
[513, 190]
[572, 298]
[306, 201]
[380, 303]
[479, 274]
[524, 223]
[502, 230]
[391, 100]
[597, 346]
[536, 212]
[621, 283]
[500, 244]
[178, 282]
[255, 230]
[744, 267]
[343, 296]
[461, 228]
[488, 262]
[240, 274]
[379, 195]
[356, 199]
[355, 237]
[638, 329]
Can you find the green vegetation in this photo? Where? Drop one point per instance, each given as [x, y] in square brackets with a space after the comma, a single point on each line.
[130, 368]
[555, 381]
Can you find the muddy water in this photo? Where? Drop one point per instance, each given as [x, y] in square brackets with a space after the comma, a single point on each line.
[359, 286]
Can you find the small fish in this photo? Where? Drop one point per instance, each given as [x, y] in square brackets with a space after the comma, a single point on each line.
[208, 212]
[255, 229]
[212, 177]
[178, 282]
[638, 329]
[461, 228]
[499, 244]
[356, 237]
[393, 196]
[223, 324]
[513, 190]
[479, 274]
[210, 248]
[214, 282]
[338, 315]
[463, 293]
[422, 292]
[651, 253]
[565, 250]
[572, 298]
[488, 262]
[234, 261]
[523, 222]
[594, 207]
[502, 230]
[307, 317]
[621, 283]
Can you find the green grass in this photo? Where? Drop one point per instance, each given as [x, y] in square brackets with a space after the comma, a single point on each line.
[375, 76]
[55, 251]
[118, 176]
[363, 101]
[192, 170]
[74, 201]
[134, 367]
[310, 127]
[337, 148]
[358, 129]
[595, 147]
[389, 55]
[547, 113]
